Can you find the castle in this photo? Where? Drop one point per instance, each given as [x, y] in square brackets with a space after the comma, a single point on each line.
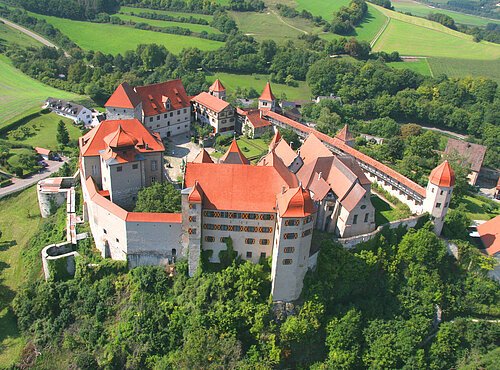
[270, 209]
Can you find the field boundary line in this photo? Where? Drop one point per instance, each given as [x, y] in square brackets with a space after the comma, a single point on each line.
[381, 31]
[288, 24]
[429, 65]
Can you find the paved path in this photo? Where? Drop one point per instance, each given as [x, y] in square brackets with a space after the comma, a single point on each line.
[31, 34]
[21, 184]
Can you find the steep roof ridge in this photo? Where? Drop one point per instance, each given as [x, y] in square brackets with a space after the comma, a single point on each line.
[443, 175]
[267, 93]
[234, 154]
[217, 86]
[203, 157]
[124, 96]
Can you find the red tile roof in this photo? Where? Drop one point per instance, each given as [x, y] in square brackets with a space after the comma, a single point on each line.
[267, 94]
[195, 196]
[344, 134]
[42, 151]
[238, 187]
[217, 86]
[473, 154]
[94, 140]
[490, 235]
[119, 212]
[272, 160]
[211, 102]
[154, 96]
[285, 152]
[295, 202]
[275, 140]
[256, 120]
[443, 175]
[351, 151]
[234, 155]
[203, 157]
[120, 138]
[123, 97]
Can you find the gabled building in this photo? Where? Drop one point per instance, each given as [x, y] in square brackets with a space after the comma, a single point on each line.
[208, 109]
[468, 154]
[163, 107]
[489, 233]
[76, 112]
[254, 126]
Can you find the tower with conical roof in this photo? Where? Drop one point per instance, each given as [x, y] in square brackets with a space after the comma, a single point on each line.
[267, 99]
[234, 155]
[345, 136]
[218, 90]
[438, 194]
[124, 103]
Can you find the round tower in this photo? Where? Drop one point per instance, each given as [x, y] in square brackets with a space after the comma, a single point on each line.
[438, 194]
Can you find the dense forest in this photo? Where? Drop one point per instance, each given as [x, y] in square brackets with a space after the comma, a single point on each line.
[73, 9]
[372, 307]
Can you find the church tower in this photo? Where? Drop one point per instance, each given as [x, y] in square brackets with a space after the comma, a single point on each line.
[218, 90]
[345, 136]
[438, 194]
[267, 99]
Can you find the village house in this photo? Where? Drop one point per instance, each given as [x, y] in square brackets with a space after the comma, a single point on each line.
[163, 107]
[210, 108]
[76, 112]
[469, 154]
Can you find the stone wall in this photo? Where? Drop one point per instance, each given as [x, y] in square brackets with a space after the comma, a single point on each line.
[352, 241]
[58, 259]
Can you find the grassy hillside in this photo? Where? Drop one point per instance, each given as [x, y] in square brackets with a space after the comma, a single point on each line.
[324, 8]
[160, 23]
[422, 10]
[232, 81]
[9, 35]
[114, 39]
[19, 220]
[20, 93]
[129, 9]
[421, 66]
[453, 67]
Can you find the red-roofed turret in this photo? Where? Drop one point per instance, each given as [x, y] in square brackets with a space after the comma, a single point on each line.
[218, 90]
[267, 99]
[345, 135]
[443, 175]
[234, 155]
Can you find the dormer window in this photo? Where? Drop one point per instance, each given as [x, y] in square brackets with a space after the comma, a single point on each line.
[166, 102]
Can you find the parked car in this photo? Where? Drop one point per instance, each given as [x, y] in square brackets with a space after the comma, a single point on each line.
[43, 164]
[56, 157]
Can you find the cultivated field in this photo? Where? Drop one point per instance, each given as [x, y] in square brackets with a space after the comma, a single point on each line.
[129, 10]
[324, 8]
[20, 93]
[422, 10]
[232, 81]
[118, 39]
[465, 67]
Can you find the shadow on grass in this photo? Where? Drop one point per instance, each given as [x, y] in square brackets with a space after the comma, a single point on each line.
[380, 206]
[6, 245]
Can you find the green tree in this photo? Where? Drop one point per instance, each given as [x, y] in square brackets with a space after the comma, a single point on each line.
[62, 135]
[291, 137]
[159, 197]
[456, 223]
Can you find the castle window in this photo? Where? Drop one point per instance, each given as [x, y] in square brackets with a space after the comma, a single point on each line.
[117, 240]
[224, 239]
[192, 218]
[174, 252]
[262, 254]
[290, 236]
[355, 220]
[433, 190]
[119, 169]
[104, 231]
[438, 205]
[292, 222]
[184, 110]
[150, 119]
[209, 239]
[366, 217]
[178, 112]
[165, 115]
[307, 220]
[289, 249]
[192, 206]
[154, 166]
[441, 192]
[363, 206]
[171, 114]
[287, 261]
[264, 241]
[249, 241]
[135, 166]
[192, 231]
[446, 205]
[307, 232]
[249, 254]
[158, 117]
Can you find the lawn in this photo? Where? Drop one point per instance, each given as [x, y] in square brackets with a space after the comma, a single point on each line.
[420, 66]
[15, 155]
[159, 23]
[464, 67]
[480, 208]
[422, 10]
[253, 149]
[257, 81]
[20, 93]
[9, 35]
[43, 131]
[384, 213]
[19, 220]
[118, 38]
[129, 9]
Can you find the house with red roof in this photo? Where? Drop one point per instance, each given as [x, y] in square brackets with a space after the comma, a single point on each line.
[163, 107]
[254, 126]
[489, 232]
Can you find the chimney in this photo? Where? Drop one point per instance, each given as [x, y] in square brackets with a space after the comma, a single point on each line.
[320, 175]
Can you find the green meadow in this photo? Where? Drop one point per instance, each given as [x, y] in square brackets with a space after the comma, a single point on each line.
[324, 8]
[129, 10]
[20, 93]
[422, 10]
[257, 81]
[10, 35]
[420, 66]
[420, 37]
[118, 38]
[160, 23]
[454, 67]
